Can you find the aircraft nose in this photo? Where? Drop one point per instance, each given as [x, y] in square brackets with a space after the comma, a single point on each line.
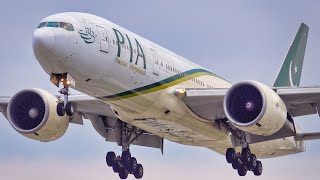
[43, 41]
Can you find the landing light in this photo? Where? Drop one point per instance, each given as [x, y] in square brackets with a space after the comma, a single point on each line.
[180, 93]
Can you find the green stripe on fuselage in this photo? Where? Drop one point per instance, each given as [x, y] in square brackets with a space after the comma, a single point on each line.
[168, 82]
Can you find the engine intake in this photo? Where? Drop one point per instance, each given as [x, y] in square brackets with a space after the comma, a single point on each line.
[28, 111]
[253, 107]
[32, 113]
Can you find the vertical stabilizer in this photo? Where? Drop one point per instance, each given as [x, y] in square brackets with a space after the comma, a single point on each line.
[290, 72]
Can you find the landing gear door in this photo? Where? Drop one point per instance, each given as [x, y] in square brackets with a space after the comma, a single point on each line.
[104, 40]
[156, 63]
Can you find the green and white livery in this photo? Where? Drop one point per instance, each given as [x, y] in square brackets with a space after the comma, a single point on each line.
[136, 92]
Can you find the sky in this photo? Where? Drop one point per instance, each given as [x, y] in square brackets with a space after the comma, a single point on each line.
[239, 40]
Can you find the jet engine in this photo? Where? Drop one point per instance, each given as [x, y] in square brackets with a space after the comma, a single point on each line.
[32, 113]
[254, 107]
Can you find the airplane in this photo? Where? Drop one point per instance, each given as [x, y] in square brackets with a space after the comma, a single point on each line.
[135, 92]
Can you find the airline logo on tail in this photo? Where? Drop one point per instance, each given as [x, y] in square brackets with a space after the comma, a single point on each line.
[292, 75]
[290, 71]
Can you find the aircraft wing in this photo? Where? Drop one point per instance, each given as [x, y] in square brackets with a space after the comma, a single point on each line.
[102, 118]
[300, 101]
[208, 103]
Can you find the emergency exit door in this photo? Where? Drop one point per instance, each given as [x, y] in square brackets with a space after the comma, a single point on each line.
[104, 40]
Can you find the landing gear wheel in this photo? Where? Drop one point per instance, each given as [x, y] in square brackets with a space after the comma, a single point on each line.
[133, 165]
[230, 155]
[258, 170]
[125, 158]
[253, 162]
[116, 167]
[246, 156]
[123, 173]
[60, 109]
[138, 174]
[242, 170]
[110, 158]
[69, 109]
[235, 164]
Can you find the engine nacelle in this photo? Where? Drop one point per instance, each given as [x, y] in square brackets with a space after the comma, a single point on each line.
[254, 107]
[32, 113]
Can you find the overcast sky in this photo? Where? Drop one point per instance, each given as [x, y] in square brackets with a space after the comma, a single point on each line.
[238, 40]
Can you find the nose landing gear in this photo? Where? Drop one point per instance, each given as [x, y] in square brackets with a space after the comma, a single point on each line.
[64, 107]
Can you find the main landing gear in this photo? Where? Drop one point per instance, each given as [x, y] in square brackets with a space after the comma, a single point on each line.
[244, 161]
[64, 107]
[125, 164]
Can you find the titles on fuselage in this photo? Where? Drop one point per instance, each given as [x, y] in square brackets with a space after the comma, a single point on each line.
[140, 54]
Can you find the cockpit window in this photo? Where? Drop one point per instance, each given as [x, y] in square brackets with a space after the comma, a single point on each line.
[53, 24]
[69, 27]
[64, 25]
[43, 24]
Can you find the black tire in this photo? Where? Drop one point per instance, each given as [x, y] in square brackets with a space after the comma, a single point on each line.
[133, 165]
[235, 164]
[60, 109]
[258, 170]
[242, 171]
[123, 173]
[138, 174]
[110, 158]
[230, 155]
[116, 167]
[246, 156]
[253, 162]
[69, 109]
[126, 158]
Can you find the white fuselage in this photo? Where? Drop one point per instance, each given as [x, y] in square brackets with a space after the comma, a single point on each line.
[137, 78]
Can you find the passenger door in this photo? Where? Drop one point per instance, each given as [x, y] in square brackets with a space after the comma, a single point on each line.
[156, 63]
[104, 40]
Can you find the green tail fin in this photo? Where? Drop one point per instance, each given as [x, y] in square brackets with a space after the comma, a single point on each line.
[290, 72]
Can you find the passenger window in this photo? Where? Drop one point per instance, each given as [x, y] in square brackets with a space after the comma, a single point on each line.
[43, 24]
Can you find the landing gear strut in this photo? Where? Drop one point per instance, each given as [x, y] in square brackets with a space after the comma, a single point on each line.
[244, 161]
[64, 107]
[125, 164]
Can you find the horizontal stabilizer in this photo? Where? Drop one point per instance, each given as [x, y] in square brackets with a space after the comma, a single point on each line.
[307, 136]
